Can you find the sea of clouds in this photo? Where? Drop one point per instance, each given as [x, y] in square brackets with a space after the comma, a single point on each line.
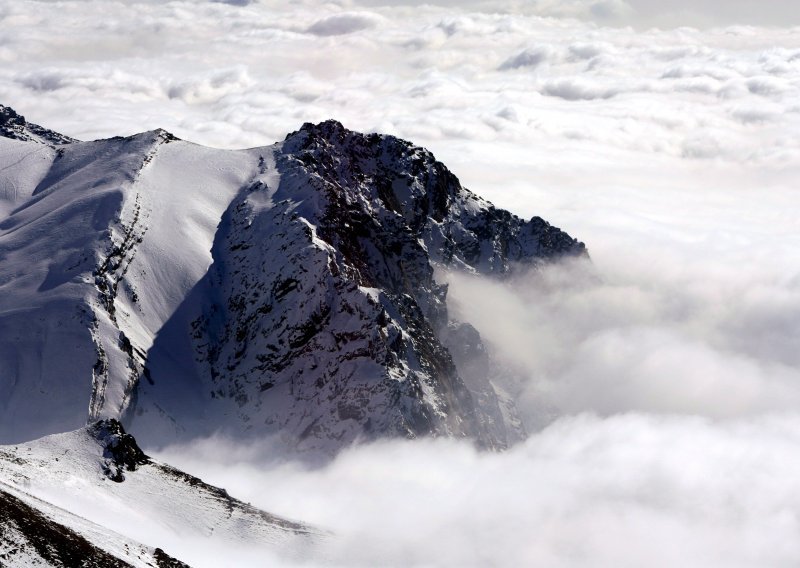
[660, 383]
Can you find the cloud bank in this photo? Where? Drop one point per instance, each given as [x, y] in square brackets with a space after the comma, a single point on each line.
[239, 74]
[631, 490]
[632, 338]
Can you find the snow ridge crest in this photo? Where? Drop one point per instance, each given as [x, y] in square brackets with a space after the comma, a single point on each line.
[288, 290]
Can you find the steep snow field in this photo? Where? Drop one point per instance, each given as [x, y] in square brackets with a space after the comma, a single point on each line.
[73, 220]
[35, 533]
[96, 482]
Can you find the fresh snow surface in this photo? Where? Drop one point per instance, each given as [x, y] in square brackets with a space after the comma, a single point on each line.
[17, 552]
[68, 477]
[61, 213]
[22, 166]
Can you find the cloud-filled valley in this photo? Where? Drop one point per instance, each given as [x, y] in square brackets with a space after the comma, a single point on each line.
[627, 490]
[659, 383]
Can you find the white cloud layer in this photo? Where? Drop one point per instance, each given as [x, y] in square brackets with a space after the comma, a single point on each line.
[662, 384]
[632, 490]
[695, 340]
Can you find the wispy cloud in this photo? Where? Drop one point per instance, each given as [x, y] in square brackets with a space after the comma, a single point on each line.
[649, 337]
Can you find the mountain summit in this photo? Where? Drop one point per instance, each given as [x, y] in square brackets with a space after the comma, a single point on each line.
[286, 290]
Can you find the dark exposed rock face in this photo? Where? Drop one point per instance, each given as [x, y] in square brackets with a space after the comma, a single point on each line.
[13, 125]
[164, 560]
[120, 451]
[327, 323]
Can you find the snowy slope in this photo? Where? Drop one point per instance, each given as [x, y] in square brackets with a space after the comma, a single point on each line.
[69, 306]
[34, 533]
[285, 290]
[100, 473]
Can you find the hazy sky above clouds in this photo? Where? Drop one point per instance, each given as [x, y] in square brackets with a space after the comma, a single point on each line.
[661, 384]
[638, 13]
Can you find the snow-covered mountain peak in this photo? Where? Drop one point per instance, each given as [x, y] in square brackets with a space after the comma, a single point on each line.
[326, 324]
[288, 290]
[395, 175]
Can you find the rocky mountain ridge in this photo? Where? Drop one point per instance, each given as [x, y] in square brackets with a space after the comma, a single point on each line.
[14, 126]
[288, 290]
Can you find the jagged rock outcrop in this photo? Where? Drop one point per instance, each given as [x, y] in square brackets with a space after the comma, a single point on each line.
[287, 290]
[13, 125]
[120, 451]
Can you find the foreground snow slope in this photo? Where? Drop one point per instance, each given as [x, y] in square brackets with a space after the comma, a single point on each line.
[99, 472]
[34, 533]
[284, 290]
